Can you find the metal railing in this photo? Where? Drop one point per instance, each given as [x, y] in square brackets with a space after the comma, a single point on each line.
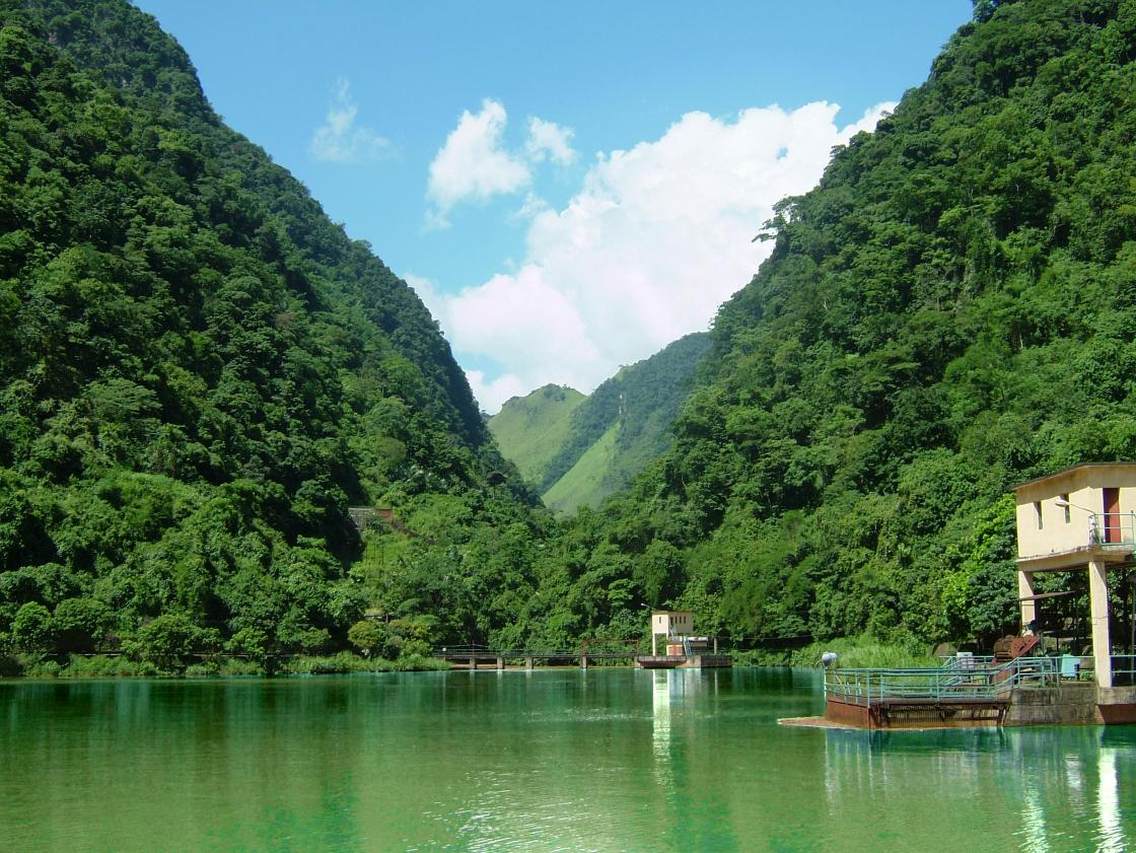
[983, 682]
[1123, 670]
[1112, 529]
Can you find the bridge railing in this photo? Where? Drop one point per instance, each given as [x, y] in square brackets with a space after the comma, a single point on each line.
[985, 682]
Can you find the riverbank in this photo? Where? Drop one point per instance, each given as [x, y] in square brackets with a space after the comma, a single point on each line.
[121, 666]
[859, 651]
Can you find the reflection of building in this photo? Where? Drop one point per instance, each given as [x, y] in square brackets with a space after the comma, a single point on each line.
[1078, 518]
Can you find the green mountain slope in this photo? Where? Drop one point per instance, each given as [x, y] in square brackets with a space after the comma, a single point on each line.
[199, 372]
[588, 481]
[952, 310]
[576, 451]
[530, 430]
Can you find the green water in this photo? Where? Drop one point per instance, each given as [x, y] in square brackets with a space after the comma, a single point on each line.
[603, 760]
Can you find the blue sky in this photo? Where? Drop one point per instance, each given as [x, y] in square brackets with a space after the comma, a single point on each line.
[545, 253]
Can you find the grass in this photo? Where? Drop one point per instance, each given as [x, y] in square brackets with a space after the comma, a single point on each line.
[586, 482]
[531, 430]
[859, 652]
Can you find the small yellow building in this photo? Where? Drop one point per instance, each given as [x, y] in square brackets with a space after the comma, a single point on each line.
[671, 624]
[1080, 518]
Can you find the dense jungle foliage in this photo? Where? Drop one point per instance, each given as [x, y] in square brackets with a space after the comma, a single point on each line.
[199, 373]
[952, 310]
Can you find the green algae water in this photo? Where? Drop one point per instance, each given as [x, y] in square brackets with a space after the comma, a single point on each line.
[608, 759]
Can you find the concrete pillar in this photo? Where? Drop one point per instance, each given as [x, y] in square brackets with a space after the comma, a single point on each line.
[500, 663]
[715, 652]
[473, 662]
[1025, 589]
[1098, 611]
[654, 648]
[528, 663]
[583, 661]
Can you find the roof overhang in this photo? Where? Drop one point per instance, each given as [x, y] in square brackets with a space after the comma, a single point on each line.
[1070, 472]
[1078, 558]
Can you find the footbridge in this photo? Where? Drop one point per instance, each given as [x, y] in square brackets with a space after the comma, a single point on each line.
[473, 656]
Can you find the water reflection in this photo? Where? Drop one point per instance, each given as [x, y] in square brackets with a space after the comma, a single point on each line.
[614, 759]
[1062, 783]
[1108, 799]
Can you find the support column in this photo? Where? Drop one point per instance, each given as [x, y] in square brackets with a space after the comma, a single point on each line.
[654, 648]
[1025, 589]
[473, 662]
[528, 663]
[583, 661]
[500, 663]
[1098, 611]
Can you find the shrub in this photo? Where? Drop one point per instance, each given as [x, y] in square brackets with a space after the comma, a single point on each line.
[31, 629]
[81, 624]
[170, 641]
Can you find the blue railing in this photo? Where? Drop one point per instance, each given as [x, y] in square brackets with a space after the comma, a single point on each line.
[984, 681]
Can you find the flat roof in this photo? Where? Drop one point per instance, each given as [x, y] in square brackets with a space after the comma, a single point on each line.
[1067, 471]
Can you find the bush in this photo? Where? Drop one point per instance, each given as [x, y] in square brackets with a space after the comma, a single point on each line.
[81, 624]
[105, 666]
[414, 649]
[367, 636]
[339, 663]
[420, 663]
[31, 629]
[42, 669]
[170, 641]
[239, 666]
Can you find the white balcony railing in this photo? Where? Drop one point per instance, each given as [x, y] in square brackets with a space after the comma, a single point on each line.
[1112, 529]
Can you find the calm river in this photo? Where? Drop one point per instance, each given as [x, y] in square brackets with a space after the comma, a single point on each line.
[610, 759]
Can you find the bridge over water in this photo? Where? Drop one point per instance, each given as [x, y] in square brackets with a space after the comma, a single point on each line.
[472, 656]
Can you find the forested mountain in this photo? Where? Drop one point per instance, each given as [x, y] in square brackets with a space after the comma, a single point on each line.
[576, 452]
[951, 310]
[199, 373]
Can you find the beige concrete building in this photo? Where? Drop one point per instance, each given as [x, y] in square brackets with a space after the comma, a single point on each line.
[671, 624]
[1083, 518]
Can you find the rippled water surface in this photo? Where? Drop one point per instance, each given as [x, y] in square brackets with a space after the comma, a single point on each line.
[613, 759]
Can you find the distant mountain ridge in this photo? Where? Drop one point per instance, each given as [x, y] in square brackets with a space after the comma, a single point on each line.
[577, 450]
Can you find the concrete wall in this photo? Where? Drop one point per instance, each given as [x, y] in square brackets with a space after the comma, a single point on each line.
[1069, 704]
[1117, 704]
[1065, 530]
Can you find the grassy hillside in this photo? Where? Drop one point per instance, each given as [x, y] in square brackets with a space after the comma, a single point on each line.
[200, 372]
[530, 430]
[588, 481]
[577, 450]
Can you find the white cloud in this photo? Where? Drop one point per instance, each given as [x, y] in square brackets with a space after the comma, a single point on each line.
[549, 140]
[655, 240]
[473, 164]
[338, 140]
[498, 390]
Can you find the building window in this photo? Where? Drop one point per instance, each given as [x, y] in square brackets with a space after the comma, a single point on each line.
[1037, 509]
[1065, 498]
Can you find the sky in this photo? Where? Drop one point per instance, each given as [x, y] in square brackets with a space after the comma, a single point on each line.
[569, 188]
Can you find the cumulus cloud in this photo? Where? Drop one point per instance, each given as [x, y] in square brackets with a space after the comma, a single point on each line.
[655, 240]
[473, 164]
[338, 139]
[548, 140]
